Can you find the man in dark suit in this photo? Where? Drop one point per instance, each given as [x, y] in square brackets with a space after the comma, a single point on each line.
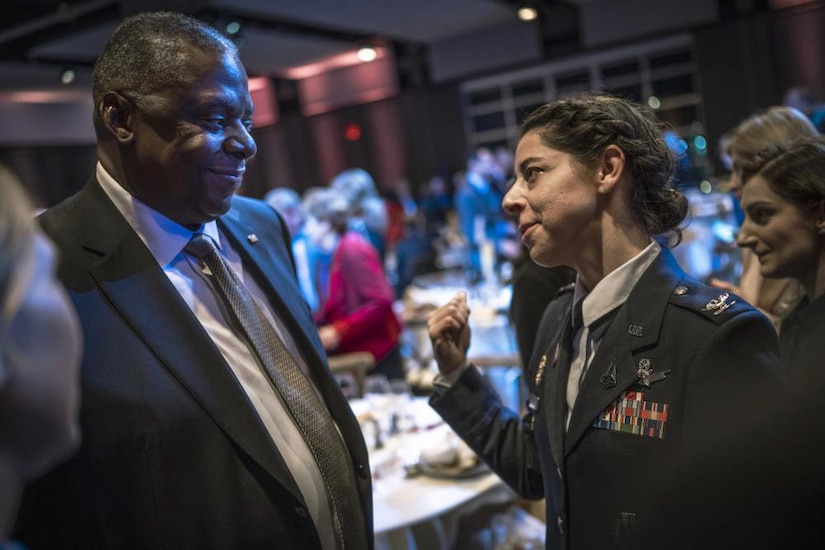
[191, 437]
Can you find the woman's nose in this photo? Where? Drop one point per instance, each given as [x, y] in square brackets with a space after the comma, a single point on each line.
[512, 202]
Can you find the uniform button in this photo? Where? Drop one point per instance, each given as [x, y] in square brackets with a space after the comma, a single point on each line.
[680, 290]
[560, 523]
[301, 511]
[361, 470]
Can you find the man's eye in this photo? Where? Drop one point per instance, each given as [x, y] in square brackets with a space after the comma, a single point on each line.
[216, 123]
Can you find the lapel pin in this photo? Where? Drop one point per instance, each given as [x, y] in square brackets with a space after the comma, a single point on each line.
[645, 375]
[609, 378]
[644, 371]
[540, 370]
[635, 330]
[252, 238]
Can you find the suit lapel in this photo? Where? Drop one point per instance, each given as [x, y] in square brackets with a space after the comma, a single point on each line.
[290, 307]
[644, 310]
[130, 278]
[555, 391]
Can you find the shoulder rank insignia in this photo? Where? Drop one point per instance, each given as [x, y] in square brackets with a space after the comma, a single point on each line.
[720, 304]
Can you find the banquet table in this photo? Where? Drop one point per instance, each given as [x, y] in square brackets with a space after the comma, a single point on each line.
[419, 511]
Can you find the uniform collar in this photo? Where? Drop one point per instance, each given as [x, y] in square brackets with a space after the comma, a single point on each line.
[613, 290]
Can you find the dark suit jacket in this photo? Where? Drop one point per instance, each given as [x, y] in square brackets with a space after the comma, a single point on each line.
[594, 477]
[173, 454]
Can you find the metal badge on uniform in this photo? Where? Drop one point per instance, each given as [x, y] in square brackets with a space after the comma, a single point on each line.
[540, 370]
[609, 378]
[252, 238]
[636, 330]
[719, 305]
[533, 402]
[645, 376]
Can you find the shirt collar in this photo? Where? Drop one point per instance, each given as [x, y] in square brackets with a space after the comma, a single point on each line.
[612, 291]
[163, 237]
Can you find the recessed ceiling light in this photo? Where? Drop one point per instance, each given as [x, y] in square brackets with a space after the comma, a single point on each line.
[367, 54]
[67, 76]
[527, 13]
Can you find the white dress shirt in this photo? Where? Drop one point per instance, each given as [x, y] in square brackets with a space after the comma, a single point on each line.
[166, 239]
[607, 296]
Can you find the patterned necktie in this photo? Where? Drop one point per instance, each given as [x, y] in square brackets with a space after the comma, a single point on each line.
[310, 414]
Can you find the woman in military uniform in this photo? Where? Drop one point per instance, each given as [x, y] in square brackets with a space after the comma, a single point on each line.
[633, 362]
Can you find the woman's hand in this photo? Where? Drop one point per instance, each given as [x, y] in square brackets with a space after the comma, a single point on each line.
[725, 285]
[449, 330]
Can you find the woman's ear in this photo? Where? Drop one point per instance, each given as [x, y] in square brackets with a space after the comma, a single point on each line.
[117, 114]
[610, 168]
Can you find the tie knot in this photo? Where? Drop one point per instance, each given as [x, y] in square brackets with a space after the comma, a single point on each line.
[577, 319]
[200, 246]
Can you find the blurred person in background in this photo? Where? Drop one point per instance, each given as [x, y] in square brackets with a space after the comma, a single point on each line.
[534, 287]
[784, 203]
[633, 364]
[477, 202]
[802, 99]
[777, 126]
[758, 482]
[287, 203]
[357, 314]
[40, 350]
[368, 213]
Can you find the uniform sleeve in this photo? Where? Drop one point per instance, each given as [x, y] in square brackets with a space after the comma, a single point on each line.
[497, 434]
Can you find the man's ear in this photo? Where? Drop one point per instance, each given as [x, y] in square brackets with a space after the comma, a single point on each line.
[117, 114]
[820, 217]
[610, 168]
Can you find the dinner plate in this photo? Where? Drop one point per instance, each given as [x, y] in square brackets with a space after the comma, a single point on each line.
[453, 472]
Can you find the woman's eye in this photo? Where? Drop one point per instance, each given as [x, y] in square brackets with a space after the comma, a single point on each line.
[761, 216]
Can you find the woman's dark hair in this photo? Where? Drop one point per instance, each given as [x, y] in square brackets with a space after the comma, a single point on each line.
[794, 171]
[583, 126]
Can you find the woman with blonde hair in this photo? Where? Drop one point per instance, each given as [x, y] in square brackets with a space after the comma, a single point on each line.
[777, 126]
[39, 355]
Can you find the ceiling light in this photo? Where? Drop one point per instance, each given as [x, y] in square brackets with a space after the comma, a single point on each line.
[67, 77]
[367, 54]
[233, 28]
[527, 13]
